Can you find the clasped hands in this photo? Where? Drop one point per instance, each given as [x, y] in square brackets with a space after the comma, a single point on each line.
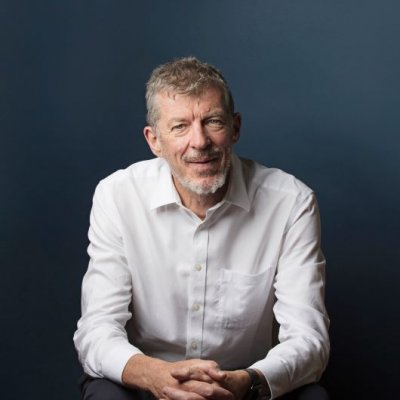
[193, 379]
[200, 379]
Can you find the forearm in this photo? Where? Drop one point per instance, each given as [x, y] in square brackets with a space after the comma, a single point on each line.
[294, 363]
[103, 350]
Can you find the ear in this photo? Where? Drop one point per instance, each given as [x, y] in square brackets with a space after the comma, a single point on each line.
[237, 123]
[152, 140]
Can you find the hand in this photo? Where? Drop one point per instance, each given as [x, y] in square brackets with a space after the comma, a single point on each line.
[183, 380]
[236, 382]
[199, 370]
[198, 379]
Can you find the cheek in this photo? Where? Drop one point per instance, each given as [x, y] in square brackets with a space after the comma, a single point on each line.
[222, 140]
[180, 146]
[174, 149]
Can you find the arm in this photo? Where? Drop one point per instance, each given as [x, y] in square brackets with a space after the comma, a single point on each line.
[303, 349]
[101, 338]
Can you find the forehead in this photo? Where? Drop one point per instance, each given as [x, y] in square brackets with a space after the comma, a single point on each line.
[172, 104]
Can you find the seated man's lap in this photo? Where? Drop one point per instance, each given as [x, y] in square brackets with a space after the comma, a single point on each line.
[104, 389]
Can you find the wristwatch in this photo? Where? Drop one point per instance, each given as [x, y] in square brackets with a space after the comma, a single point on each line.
[255, 385]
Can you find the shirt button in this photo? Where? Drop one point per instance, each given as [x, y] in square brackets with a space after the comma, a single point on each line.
[194, 345]
[196, 307]
[198, 267]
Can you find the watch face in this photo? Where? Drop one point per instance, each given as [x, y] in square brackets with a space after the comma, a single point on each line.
[256, 387]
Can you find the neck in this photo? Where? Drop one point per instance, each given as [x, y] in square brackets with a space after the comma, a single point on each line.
[199, 204]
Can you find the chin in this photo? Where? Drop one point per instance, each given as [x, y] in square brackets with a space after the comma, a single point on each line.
[205, 188]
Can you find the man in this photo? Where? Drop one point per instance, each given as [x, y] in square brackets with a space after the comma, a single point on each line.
[194, 255]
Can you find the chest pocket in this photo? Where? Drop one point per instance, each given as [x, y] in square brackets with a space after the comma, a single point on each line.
[243, 297]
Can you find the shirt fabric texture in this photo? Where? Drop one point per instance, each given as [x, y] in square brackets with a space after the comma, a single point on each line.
[165, 283]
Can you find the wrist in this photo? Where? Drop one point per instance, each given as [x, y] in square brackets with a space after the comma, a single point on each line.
[258, 388]
[238, 383]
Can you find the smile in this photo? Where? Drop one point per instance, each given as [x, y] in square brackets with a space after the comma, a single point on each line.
[203, 161]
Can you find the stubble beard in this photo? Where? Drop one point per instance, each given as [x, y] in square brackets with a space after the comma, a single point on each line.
[204, 189]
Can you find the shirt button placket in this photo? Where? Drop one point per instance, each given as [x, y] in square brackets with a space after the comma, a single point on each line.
[197, 282]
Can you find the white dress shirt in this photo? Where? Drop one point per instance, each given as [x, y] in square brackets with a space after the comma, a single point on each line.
[165, 283]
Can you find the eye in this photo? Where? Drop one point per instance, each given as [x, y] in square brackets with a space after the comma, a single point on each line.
[215, 122]
[178, 127]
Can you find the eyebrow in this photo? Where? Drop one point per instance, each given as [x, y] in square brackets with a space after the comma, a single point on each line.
[218, 112]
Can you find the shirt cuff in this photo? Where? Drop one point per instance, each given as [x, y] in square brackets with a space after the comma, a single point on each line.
[115, 359]
[276, 375]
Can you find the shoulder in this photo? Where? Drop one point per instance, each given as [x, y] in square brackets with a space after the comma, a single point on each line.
[141, 171]
[260, 178]
[134, 184]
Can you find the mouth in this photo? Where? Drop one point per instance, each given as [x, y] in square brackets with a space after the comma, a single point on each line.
[209, 164]
[203, 158]
[203, 161]
[203, 166]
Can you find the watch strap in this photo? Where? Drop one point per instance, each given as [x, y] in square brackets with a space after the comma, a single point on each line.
[255, 384]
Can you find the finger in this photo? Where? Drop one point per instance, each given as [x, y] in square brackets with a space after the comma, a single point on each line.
[191, 373]
[216, 374]
[178, 394]
[208, 391]
[213, 370]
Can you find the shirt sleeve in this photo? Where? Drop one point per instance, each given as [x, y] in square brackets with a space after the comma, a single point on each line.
[303, 349]
[101, 339]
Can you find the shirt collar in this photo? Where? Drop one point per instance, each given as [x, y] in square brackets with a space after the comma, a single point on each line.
[237, 191]
[164, 191]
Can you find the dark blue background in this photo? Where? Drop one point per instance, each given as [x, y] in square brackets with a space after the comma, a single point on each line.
[317, 83]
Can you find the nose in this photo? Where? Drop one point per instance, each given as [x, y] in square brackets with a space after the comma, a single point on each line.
[199, 137]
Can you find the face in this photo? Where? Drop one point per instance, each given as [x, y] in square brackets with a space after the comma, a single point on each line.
[195, 136]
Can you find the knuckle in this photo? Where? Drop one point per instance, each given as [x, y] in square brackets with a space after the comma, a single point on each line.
[213, 364]
[209, 391]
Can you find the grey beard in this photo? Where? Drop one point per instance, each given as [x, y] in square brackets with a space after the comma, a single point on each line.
[202, 190]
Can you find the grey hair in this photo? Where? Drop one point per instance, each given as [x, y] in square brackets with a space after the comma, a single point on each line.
[187, 76]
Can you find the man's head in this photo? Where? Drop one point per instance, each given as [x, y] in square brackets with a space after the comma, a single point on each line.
[192, 124]
[186, 76]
